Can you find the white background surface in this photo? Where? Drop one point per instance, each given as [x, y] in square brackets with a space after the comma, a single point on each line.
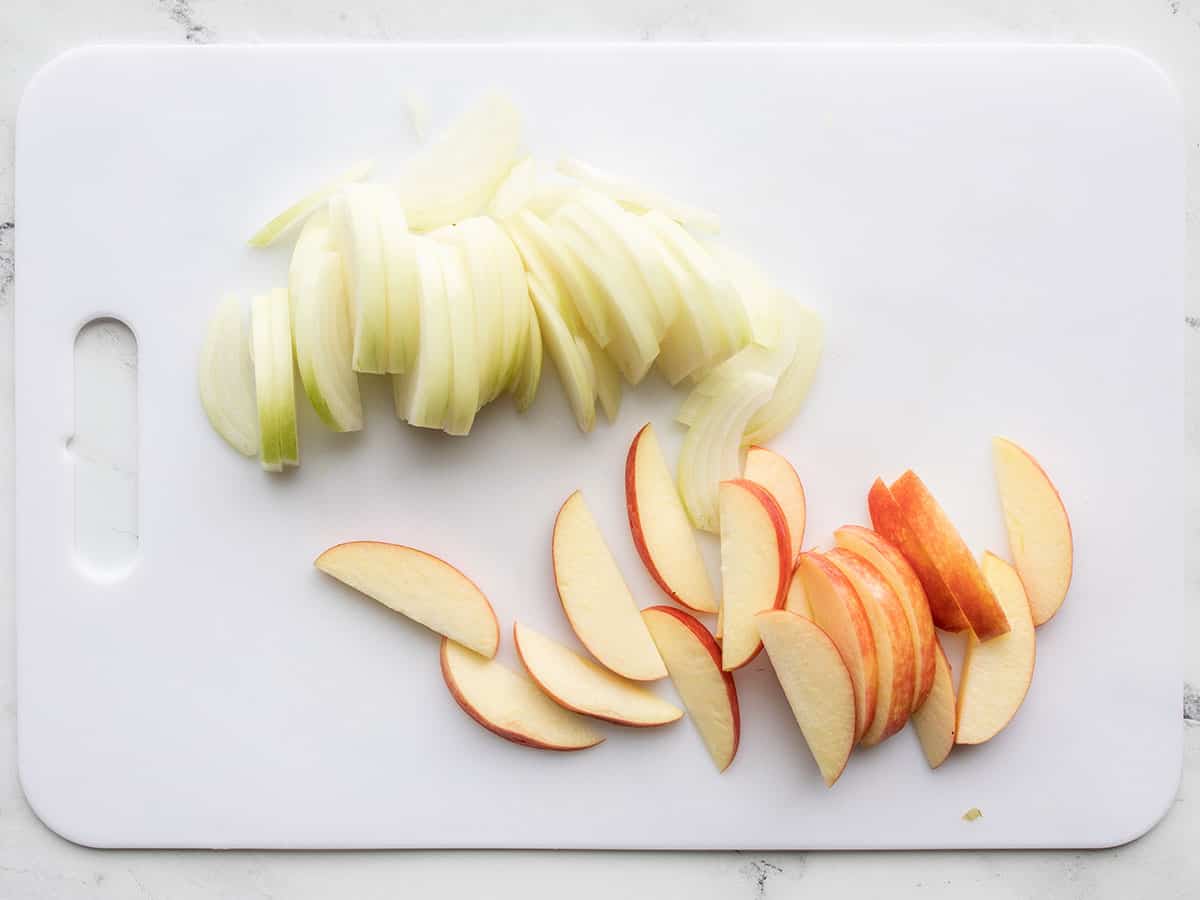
[33, 863]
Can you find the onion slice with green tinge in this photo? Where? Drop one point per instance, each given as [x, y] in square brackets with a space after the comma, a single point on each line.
[227, 379]
[310, 203]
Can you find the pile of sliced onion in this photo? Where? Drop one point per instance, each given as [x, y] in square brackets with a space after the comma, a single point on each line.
[458, 278]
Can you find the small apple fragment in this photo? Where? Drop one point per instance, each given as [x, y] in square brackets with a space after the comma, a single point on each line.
[778, 476]
[422, 587]
[595, 598]
[836, 607]
[817, 685]
[888, 520]
[661, 531]
[227, 378]
[756, 567]
[899, 575]
[996, 674]
[709, 695]
[893, 644]
[582, 686]
[511, 705]
[1039, 532]
[950, 556]
[934, 722]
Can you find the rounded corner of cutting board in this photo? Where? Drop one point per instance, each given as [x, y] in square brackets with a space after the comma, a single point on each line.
[68, 820]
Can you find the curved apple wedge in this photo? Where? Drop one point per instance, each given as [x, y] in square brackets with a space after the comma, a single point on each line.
[509, 704]
[708, 693]
[756, 566]
[836, 607]
[893, 644]
[596, 599]
[996, 674]
[582, 686]
[899, 575]
[1039, 532]
[661, 530]
[777, 475]
[934, 722]
[817, 685]
[424, 588]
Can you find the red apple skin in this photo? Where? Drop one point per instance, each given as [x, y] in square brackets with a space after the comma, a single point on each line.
[495, 729]
[783, 541]
[888, 519]
[635, 522]
[714, 650]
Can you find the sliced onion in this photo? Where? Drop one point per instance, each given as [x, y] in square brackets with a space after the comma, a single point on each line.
[422, 395]
[310, 203]
[227, 379]
[464, 364]
[638, 198]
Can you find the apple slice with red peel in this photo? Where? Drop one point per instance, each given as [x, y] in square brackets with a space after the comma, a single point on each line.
[797, 599]
[950, 556]
[888, 520]
[899, 575]
[421, 586]
[893, 644]
[776, 474]
[756, 566]
[996, 674]
[817, 685]
[596, 599]
[582, 686]
[836, 607]
[1039, 532]
[509, 704]
[708, 693]
[934, 721]
[662, 533]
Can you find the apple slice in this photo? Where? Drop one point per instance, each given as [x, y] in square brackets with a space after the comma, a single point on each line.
[891, 564]
[817, 685]
[708, 693]
[996, 674]
[582, 686]
[797, 599]
[227, 378]
[934, 721]
[948, 552]
[509, 704]
[894, 652]
[421, 586]
[596, 599]
[772, 471]
[888, 520]
[311, 202]
[661, 531]
[836, 607]
[756, 566]
[1039, 532]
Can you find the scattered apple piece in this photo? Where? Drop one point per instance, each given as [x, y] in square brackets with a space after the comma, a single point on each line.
[817, 685]
[708, 693]
[934, 721]
[996, 674]
[511, 705]
[777, 475]
[421, 586]
[1039, 532]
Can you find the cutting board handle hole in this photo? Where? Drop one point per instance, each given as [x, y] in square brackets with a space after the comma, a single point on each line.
[103, 451]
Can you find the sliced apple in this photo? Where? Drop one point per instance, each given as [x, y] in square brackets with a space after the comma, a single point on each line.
[582, 686]
[756, 566]
[836, 607]
[418, 585]
[1039, 532]
[797, 599]
[817, 685]
[661, 531]
[996, 674]
[949, 554]
[776, 474]
[510, 705]
[708, 693]
[596, 599]
[891, 564]
[227, 378]
[934, 721]
[894, 653]
[888, 519]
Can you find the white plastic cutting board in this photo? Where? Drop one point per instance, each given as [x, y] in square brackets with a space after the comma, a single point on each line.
[996, 234]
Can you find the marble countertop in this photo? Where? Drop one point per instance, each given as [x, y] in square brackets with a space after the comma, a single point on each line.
[36, 864]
